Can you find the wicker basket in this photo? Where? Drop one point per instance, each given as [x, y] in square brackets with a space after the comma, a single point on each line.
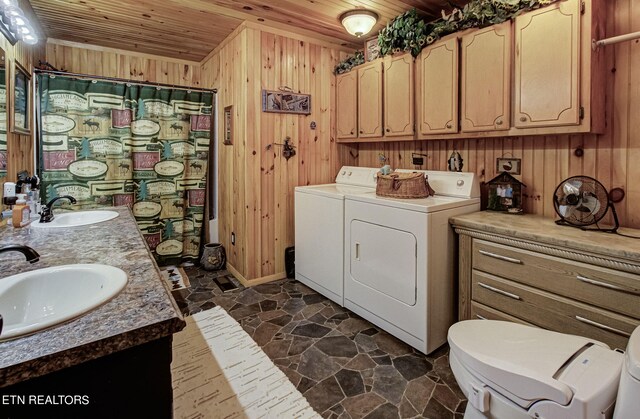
[403, 185]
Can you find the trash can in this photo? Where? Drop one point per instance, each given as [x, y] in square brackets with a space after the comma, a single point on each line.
[214, 257]
[290, 261]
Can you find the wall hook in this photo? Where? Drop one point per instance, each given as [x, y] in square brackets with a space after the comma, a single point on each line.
[288, 149]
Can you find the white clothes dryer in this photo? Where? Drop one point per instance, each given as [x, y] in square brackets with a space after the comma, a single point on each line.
[400, 258]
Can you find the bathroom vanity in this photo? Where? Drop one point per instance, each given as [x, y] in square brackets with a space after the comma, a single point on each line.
[527, 269]
[118, 354]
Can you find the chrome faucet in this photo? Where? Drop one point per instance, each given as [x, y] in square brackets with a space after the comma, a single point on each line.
[46, 216]
[31, 255]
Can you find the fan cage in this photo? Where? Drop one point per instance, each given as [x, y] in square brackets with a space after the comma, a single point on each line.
[581, 213]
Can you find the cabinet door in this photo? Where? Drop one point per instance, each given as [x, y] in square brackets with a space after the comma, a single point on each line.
[485, 79]
[438, 102]
[547, 90]
[370, 100]
[347, 105]
[398, 95]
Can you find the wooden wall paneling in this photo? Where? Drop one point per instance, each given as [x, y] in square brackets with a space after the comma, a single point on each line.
[268, 154]
[252, 174]
[633, 156]
[107, 62]
[620, 71]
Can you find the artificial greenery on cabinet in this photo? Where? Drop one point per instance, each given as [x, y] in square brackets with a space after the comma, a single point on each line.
[408, 32]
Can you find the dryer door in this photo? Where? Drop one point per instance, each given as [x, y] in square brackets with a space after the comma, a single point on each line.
[384, 259]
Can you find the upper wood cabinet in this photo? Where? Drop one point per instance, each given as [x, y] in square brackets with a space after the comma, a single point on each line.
[398, 95]
[437, 107]
[347, 105]
[485, 79]
[534, 75]
[370, 100]
[547, 66]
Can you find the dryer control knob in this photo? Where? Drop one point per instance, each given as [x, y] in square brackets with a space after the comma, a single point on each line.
[344, 172]
[350, 173]
[460, 182]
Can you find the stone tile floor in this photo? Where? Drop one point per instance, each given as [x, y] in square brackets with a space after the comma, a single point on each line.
[345, 366]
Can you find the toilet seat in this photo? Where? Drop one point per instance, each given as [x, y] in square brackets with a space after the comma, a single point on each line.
[521, 362]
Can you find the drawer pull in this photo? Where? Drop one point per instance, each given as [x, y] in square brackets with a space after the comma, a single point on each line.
[605, 285]
[603, 326]
[496, 256]
[480, 317]
[499, 291]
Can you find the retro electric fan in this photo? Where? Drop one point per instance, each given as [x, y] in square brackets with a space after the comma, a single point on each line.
[582, 201]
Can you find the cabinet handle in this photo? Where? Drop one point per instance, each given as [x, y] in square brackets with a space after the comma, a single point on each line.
[357, 251]
[351, 132]
[361, 132]
[388, 130]
[480, 317]
[449, 126]
[499, 291]
[496, 256]
[603, 327]
[605, 285]
[523, 119]
[499, 122]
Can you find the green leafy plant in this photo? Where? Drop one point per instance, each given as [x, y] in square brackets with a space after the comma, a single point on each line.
[351, 61]
[410, 33]
[407, 32]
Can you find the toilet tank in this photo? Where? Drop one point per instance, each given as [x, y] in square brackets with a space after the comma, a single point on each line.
[628, 400]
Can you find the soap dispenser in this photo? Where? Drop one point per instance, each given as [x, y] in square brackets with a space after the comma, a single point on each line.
[21, 213]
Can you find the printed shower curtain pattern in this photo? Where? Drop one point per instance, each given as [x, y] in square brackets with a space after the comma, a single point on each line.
[110, 144]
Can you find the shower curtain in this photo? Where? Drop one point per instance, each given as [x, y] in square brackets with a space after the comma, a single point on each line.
[109, 143]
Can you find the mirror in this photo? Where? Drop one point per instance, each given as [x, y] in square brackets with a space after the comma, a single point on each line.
[21, 105]
[3, 116]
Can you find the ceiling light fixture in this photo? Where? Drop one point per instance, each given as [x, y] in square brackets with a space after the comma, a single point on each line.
[359, 22]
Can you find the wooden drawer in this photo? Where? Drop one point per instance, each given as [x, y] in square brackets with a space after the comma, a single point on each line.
[551, 311]
[481, 311]
[613, 290]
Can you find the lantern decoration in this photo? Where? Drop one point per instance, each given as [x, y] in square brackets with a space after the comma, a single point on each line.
[504, 193]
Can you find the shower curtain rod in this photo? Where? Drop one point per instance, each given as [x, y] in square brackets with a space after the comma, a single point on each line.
[126, 81]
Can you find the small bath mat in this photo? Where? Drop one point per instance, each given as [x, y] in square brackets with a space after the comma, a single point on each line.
[218, 371]
[175, 276]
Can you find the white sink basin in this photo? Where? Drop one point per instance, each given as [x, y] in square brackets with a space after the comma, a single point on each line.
[35, 300]
[76, 219]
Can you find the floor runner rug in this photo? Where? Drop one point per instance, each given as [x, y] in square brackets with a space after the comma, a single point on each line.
[218, 371]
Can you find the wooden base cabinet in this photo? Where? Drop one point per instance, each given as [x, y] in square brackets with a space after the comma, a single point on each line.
[532, 277]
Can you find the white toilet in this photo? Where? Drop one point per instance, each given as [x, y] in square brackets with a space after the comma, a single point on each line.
[511, 371]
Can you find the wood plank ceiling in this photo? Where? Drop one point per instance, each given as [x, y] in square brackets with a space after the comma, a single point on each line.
[190, 29]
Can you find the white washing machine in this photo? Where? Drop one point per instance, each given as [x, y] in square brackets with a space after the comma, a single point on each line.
[319, 229]
[400, 258]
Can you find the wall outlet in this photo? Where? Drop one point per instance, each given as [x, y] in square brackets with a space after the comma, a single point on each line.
[233, 239]
[418, 161]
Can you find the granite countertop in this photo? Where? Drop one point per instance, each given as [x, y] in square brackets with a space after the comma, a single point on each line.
[544, 230]
[143, 311]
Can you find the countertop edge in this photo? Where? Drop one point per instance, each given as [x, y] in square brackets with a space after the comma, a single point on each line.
[567, 243]
[90, 351]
